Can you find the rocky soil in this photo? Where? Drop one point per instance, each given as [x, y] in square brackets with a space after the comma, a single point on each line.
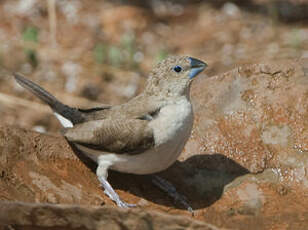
[245, 165]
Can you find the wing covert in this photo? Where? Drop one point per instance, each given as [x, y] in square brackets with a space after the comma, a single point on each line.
[130, 136]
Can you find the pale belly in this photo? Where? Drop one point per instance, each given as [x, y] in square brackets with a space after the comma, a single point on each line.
[172, 129]
[152, 161]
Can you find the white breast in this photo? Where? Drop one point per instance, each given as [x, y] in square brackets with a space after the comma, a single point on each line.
[172, 128]
[172, 122]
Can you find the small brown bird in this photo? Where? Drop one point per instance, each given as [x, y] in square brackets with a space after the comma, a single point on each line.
[143, 136]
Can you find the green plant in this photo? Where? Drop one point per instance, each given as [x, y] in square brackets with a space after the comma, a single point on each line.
[121, 54]
[115, 56]
[161, 55]
[30, 34]
[30, 37]
[295, 39]
[128, 45]
[100, 53]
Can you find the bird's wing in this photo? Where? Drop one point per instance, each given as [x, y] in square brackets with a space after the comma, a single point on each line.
[94, 109]
[131, 136]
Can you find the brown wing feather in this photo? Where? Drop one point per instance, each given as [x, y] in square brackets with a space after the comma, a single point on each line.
[130, 136]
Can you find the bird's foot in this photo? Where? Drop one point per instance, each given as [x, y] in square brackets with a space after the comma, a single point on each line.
[109, 191]
[171, 191]
[123, 204]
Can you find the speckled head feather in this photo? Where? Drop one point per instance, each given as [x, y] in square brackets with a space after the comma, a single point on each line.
[171, 77]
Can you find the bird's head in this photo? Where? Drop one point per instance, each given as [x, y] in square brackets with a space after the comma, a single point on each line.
[172, 76]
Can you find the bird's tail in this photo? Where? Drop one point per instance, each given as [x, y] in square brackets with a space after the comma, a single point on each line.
[71, 114]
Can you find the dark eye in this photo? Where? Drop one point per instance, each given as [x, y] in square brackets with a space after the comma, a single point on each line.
[177, 68]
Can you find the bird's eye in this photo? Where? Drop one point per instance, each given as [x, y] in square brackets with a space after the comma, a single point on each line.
[177, 68]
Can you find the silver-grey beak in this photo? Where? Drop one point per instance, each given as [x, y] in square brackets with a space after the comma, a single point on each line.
[197, 66]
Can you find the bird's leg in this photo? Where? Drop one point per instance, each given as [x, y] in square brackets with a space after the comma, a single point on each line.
[171, 191]
[101, 173]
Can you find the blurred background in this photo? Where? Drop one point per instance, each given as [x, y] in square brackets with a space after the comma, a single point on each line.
[86, 51]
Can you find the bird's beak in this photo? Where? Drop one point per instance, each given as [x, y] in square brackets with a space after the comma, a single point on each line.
[197, 66]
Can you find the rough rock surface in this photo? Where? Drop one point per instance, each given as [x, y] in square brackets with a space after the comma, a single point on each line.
[245, 166]
[42, 216]
[38, 168]
[253, 118]
[255, 115]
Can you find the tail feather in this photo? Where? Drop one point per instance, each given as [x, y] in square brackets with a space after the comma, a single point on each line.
[72, 114]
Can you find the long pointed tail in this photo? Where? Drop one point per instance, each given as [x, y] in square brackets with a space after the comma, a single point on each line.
[72, 114]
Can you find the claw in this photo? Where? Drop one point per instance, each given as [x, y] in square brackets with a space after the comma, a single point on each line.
[123, 204]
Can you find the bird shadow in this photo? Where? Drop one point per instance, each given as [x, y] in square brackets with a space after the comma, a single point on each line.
[200, 178]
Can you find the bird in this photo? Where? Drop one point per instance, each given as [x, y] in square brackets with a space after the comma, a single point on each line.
[143, 136]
